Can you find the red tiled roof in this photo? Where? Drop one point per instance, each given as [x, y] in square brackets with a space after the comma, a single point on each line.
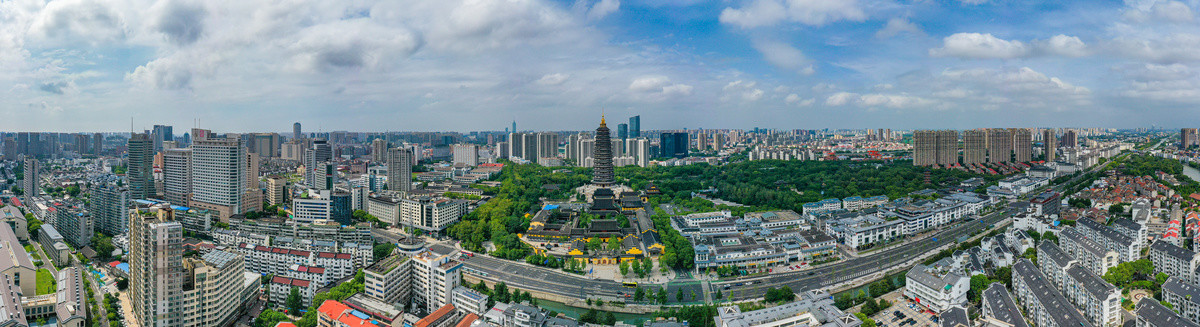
[337, 311]
[308, 269]
[290, 281]
[285, 324]
[433, 317]
[470, 318]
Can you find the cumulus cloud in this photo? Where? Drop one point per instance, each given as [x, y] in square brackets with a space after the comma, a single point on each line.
[659, 85]
[553, 79]
[759, 13]
[877, 100]
[353, 44]
[181, 21]
[1173, 48]
[89, 21]
[796, 100]
[56, 87]
[1161, 11]
[988, 46]
[897, 26]
[603, 8]
[744, 90]
[979, 46]
[784, 56]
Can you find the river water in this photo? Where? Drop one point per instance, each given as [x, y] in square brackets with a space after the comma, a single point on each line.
[1191, 172]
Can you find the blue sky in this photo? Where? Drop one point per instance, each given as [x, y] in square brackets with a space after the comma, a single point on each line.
[250, 65]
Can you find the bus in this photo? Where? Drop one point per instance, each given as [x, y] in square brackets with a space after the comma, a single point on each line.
[631, 284]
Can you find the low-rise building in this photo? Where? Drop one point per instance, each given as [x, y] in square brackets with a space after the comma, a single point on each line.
[998, 307]
[1126, 247]
[470, 301]
[864, 230]
[281, 288]
[54, 245]
[1184, 296]
[811, 308]
[1150, 313]
[1174, 261]
[937, 287]
[1054, 262]
[1087, 253]
[1099, 301]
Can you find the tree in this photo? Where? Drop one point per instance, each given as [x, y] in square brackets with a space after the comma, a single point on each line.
[1004, 275]
[382, 250]
[122, 284]
[1116, 209]
[978, 284]
[614, 244]
[637, 268]
[595, 244]
[662, 295]
[679, 295]
[294, 302]
[639, 294]
[867, 321]
[1049, 236]
[870, 308]
[269, 318]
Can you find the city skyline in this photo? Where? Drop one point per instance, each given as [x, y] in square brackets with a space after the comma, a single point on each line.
[462, 65]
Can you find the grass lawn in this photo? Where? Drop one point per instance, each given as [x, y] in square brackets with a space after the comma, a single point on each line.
[45, 282]
[29, 248]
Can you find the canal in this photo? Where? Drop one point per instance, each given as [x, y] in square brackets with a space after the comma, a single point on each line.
[1191, 172]
[573, 312]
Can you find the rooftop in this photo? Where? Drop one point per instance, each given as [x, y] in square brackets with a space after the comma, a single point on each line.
[1055, 305]
[1150, 310]
[1000, 302]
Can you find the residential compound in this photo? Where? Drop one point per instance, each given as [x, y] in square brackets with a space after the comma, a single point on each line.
[1044, 304]
[432, 214]
[427, 277]
[811, 308]
[849, 204]
[901, 217]
[167, 289]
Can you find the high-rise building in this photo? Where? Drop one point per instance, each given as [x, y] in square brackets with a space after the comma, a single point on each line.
[399, 162]
[177, 175]
[1070, 139]
[74, 222]
[1000, 145]
[97, 143]
[547, 146]
[674, 144]
[319, 172]
[213, 286]
[635, 126]
[430, 214]
[378, 149]
[31, 183]
[1022, 144]
[516, 144]
[586, 147]
[1051, 144]
[467, 154]
[1187, 138]
[296, 132]
[718, 142]
[602, 172]
[156, 266]
[974, 146]
[639, 149]
[10, 148]
[530, 144]
[935, 147]
[434, 276]
[219, 173]
[266, 145]
[109, 207]
[140, 170]
[275, 193]
[162, 133]
[622, 131]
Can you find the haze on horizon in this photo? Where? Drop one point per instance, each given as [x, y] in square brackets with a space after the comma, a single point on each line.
[465, 65]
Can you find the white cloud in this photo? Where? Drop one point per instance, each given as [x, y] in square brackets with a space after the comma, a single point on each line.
[602, 8]
[784, 56]
[89, 21]
[796, 100]
[987, 46]
[181, 21]
[808, 12]
[659, 85]
[896, 26]
[841, 99]
[553, 79]
[1173, 11]
[979, 46]
[744, 90]
[1173, 48]
[352, 44]
[876, 100]
[973, 2]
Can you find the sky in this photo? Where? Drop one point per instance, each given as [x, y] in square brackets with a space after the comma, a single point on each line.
[466, 65]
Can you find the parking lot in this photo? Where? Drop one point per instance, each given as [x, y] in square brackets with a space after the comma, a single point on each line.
[909, 310]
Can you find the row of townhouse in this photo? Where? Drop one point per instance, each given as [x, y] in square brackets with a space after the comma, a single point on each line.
[1044, 305]
[362, 253]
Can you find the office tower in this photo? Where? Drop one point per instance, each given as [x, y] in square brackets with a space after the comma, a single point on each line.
[319, 171]
[162, 133]
[315, 207]
[177, 175]
[275, 193]
[109, 204]
[1070, 139]
[341, 207]
[999, 145]
[156, 266]
[467, 154]
[219, 175]
[266, 145]
[602, 173]
[378, 150]
[399, 162]
[887, 134]
[674, 144]
[622, 131]
[1187, 138]
[1022, 144]
[252, 198]
[635, 126]
[31, 183]
[516, 144]
[1051, 144]
[296, 133]
[514, 126]
[140, 169]
[974, 146]
[547, 146]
